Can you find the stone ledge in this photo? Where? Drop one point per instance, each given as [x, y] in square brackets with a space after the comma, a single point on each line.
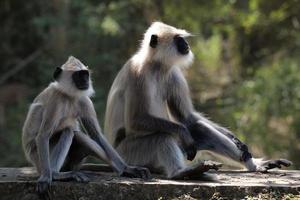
[20, 183]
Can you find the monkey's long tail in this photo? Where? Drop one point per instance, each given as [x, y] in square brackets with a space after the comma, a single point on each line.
[96, 167]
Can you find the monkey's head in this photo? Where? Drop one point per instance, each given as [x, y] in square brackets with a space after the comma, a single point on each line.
[73, 78]
[167, 44]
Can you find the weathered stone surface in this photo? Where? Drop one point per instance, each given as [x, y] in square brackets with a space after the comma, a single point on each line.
[20, 183]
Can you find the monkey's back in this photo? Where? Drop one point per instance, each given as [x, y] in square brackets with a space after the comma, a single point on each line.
[46, 101]
[33, 121]
[115, 108]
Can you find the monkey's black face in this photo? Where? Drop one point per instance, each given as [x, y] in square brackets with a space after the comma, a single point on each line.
[81, 79]
[182, 45]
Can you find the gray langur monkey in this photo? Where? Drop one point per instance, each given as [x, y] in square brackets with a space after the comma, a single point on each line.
[53, 140]
[150, 118]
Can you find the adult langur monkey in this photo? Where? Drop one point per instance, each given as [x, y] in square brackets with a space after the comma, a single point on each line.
[52, 137]
[150, 117]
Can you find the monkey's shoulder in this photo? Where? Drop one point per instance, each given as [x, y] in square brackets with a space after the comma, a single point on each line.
[53, 98]
[47, 93]
[124, 78]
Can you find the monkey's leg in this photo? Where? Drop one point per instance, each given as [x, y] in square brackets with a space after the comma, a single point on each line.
[76, 157]
[140, 151]
[128, 171]
[60, 150]
[58, 156]
[81, 147]
[92, 146]
[209, 136]
[171, 158]
[254, 164]
[159, 151]
[197, 171]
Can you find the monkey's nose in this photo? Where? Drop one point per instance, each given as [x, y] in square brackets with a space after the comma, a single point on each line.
[184, 49]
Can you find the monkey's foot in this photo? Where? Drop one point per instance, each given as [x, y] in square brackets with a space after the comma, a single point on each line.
[270, 164]
[196, 171]
[136, 172]
[43, 187]
[72, 175]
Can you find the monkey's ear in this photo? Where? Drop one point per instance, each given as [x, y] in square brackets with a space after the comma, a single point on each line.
[153, 41]
[57, 72]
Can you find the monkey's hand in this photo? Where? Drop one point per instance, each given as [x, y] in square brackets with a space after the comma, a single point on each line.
[136, 172]
[43, 185]
[263, 166]
[191, 152]
[188, 143]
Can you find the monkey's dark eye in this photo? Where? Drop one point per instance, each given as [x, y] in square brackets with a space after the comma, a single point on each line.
[182, 45]
[81, 79]
[56, 73]
[153, 41]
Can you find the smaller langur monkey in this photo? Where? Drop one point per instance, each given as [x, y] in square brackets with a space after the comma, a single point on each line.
[53, 140]
[150, 118]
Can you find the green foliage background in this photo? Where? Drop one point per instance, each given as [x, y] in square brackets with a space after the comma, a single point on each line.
[246, 74]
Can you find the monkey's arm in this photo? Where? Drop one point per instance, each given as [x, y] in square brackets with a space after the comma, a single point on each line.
[142, 123]
[90, 123]
[48, 125]
[147, 124]
[93, 129]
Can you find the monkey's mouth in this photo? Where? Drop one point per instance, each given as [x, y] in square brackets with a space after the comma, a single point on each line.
[184, 51]
[83, 86]
[183, 48]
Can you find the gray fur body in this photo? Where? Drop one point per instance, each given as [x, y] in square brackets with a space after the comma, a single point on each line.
[51, 114]
[150, 118]
[53, 140]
